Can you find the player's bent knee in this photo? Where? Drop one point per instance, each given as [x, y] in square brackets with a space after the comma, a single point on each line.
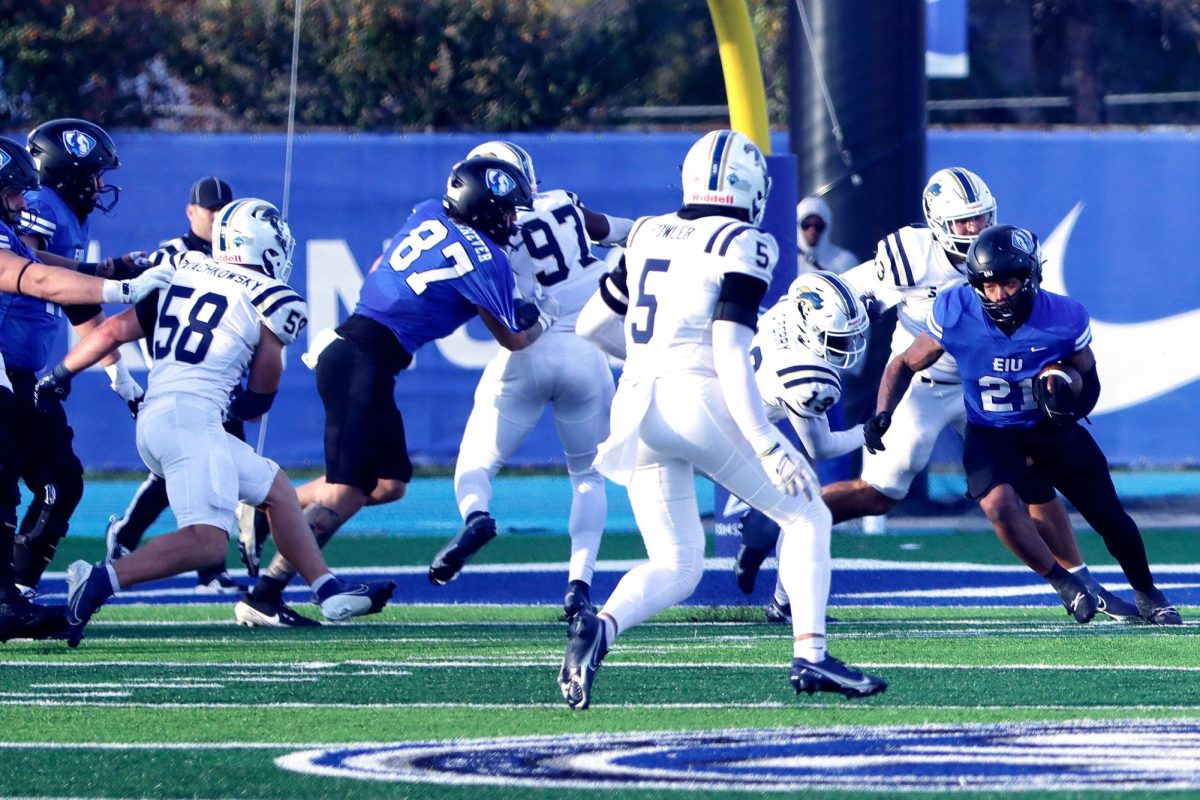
[388, 491]
[207, 542]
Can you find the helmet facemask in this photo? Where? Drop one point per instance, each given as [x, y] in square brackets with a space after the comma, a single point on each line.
[1014, 309]
[1001, 253]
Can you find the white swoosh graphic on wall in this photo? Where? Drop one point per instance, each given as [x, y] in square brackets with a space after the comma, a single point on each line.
[1137, 361]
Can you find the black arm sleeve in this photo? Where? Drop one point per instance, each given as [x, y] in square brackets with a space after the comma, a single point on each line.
[739, 299]
[1090, 394]
[251, 405]
[78, 315]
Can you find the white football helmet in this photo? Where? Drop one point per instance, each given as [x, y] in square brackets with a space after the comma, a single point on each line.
[512, 153]
[252, 232]
[725, 168]
[831, 318]
[953, 194]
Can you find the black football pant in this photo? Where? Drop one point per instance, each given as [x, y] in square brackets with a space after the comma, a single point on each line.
[45, 460]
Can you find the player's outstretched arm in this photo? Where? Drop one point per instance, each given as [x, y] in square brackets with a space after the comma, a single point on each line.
[921, 354]
[22, 276]
[105, 338]
[819, 441]
[605, 229]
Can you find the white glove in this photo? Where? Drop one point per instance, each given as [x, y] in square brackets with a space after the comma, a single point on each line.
[548, 311]
[326, 337]
[135, 289]
[125, 386]
[785, 467]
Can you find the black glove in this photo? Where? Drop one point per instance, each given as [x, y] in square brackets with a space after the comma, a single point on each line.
[526, 314]
[874, 429]
[53, 388]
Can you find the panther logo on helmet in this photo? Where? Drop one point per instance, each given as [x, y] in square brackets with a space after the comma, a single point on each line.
[512, 153]
[832, 320]
[78, 143]
[499, 183]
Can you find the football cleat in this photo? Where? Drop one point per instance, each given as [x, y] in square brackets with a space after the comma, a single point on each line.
[778, 614]
[21, 619]
[356, 600]
[479, 530]
[28, 592]
[1154, 608]
[587, 644]
[88, 587]
[578, 598]
[264, 614]
[1076, 599]
[249, 545]
[831, 675]
[217, 582]
[113, 549]
[746, 565]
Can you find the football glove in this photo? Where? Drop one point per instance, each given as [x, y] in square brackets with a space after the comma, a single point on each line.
[784, 466]
[125, 386]
[874, 429]
[53, 388]
[135, 289]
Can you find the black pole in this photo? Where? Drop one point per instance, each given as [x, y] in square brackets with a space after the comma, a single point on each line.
[872, 57]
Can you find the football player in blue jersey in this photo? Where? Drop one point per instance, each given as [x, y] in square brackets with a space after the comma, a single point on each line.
[446, 265]
[1020, 446]
[26, 288]
[72, 156]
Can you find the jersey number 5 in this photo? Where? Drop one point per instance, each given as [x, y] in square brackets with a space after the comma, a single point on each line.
[191, 341]
[647, 300]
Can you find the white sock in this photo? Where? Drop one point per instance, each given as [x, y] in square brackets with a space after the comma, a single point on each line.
[112, 577]
[810, 648]
[589, 507]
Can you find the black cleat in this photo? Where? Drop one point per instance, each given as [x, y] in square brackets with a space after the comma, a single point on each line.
[778, 614]
[578, 598]
[264, 614]
[217, 582]
[586, 647]
[357, 600]
[479, 530]
[1076, 599]
[1108, 603]
[746, 565]
[831, 675]
[1153, 607]
[21, 619]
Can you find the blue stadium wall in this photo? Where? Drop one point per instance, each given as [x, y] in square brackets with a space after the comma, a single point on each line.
[1120, 207]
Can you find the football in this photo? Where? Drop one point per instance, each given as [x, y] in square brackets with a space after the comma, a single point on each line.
[1056, 387]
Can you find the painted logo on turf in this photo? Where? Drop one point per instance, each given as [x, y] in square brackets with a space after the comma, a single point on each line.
[1138, 755]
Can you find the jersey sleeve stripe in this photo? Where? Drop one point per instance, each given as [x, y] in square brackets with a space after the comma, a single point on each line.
[1084, 339]
[39, 225]
[262, 298]
[708, 248]
[908, 273]
[291, 297]
[807, 368]
[801, 381]
[733, 235]
[935, 328]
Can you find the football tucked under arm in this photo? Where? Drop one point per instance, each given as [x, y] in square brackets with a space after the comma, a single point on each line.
[1064, 394]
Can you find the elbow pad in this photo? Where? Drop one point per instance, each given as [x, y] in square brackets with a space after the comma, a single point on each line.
[251, 405]
[739, 299]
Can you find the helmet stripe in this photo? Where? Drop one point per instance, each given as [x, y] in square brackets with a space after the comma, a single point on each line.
[717, 165]
[229, 211]
[968, 189]
[843, 292]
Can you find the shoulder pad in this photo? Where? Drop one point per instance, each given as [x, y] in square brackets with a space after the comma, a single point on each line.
[282, 310]
[902, 257]
[754, 251]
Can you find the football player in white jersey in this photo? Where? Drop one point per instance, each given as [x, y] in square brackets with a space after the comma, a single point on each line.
[818, 328]
[218, 317]
[552, 262]
[910, 267]
[689, 289]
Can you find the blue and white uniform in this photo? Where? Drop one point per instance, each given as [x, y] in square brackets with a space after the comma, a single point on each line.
[998, 369]
[433, 275]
